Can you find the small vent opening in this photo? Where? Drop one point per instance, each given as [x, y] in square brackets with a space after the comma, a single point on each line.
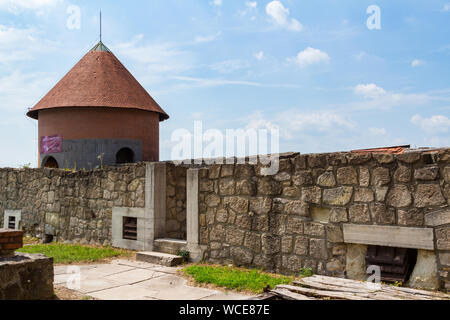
[48, 238]
[12, 223]
[130, 228]
[428, 158]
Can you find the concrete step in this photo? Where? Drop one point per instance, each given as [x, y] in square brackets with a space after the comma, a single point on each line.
[170, 246]
[164, 259]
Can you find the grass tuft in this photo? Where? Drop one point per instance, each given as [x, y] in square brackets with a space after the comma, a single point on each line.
[235, 278]
[66, 254]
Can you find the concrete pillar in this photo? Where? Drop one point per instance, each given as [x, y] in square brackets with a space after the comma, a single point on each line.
[192, 215]
[155, 203]
[192, 207]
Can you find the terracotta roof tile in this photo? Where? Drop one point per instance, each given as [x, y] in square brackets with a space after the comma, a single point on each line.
[99, 79]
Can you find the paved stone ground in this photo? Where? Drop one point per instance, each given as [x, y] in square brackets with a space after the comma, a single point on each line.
[134, 280]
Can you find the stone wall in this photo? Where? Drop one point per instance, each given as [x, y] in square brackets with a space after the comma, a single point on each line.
[176, 201]
[295, 218]
[71, 206]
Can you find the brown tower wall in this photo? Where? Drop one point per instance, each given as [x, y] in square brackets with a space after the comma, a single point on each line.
[103, 123]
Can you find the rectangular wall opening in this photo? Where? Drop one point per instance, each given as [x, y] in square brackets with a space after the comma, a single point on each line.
[12, 223]
[396, 264]
[130, 228]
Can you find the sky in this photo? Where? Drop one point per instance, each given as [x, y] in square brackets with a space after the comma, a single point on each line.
[331, 75]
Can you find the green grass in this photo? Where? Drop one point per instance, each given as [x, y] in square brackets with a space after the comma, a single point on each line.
[65, 254]
[235, 278]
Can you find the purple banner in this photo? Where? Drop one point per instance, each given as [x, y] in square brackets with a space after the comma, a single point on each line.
[52, 144]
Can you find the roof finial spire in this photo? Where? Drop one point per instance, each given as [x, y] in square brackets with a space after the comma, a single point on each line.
[100, 25]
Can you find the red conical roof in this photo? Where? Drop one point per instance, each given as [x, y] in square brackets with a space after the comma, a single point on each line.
[99, 79]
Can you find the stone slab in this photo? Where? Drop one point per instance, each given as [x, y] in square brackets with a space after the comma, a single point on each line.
[127, 292]
[134, 276]
[437, 218]
[94, 284]
[399, 237]
[170, 246]
[163, 259]
[105, 270]
[134, 264]
[175, 288]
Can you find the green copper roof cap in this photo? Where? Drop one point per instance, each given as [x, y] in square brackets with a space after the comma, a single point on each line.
[100, 47]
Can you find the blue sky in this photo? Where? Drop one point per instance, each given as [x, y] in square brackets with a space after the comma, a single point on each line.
[313, 69]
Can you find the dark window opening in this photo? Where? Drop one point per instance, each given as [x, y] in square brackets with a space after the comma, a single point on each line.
[124, 156]
[397, 264]
[48, 238]
[428, 158]
[12, 223]
[130, 228]
[51, 163]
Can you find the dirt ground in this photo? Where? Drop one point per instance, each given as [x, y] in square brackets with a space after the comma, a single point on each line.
[62, 293]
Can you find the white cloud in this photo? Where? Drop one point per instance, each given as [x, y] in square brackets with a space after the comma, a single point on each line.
[371, 91]
[259, 56]
[250, 7]
[206, 83]
[203, 39]
[216, 3]
[378, 98]
[293, 122]
[21, 44]
[311, 56]
[434, 125]
[446, 7]
[377, 131]
[158, 59]
[417, 63]
[16, 6]
[229, 66]
[22, 91]
[280, 16]
[256, 121]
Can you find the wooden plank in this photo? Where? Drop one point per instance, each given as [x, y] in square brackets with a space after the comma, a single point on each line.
[377, 295]
[423, 293]
[346, 285]
[289, 295]
[322, 294]
[400, 237]
[322, 286]
[263, 297]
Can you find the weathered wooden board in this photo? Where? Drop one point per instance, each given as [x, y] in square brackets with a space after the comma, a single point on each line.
[321, 287]
[400, 237]
[289, 295]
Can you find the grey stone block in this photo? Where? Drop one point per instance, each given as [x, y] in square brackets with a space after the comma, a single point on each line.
[164, 259]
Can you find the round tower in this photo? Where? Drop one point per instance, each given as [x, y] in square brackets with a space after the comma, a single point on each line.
[97, 114]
